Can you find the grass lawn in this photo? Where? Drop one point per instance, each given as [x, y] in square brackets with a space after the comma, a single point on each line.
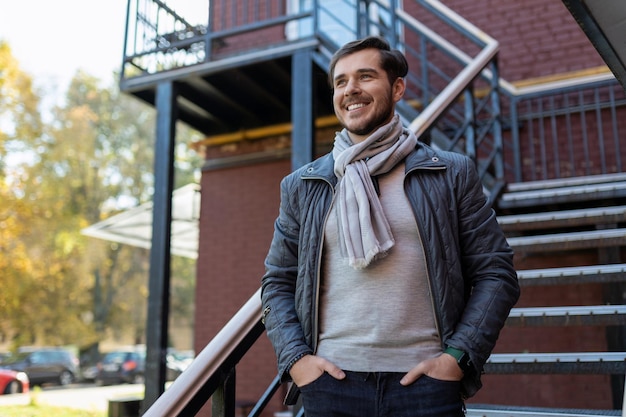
[40, 410]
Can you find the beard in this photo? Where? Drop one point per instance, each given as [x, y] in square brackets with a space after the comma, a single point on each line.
[383, 113]
[372, 124]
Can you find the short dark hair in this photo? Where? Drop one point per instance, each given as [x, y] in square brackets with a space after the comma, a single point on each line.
[391, 60]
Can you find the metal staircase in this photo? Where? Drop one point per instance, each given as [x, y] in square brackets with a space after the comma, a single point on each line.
[541, 220]
[227, 83]
[457, 98]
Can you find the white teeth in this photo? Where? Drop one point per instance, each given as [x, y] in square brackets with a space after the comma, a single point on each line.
[355, 106]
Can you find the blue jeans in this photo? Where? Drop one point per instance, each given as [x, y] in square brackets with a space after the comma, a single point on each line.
[379, 394]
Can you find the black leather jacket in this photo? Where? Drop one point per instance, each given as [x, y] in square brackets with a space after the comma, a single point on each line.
[470, 264]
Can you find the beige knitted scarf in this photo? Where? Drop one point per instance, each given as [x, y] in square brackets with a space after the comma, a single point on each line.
[364, 232]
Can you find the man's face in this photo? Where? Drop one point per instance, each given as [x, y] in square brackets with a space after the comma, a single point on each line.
[362, 97]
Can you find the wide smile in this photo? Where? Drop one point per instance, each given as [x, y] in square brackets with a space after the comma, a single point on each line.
[355, 106]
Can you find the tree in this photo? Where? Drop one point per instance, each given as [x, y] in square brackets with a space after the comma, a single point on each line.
[19, 118]
[94, 159]
[19, 106]
[15, 263]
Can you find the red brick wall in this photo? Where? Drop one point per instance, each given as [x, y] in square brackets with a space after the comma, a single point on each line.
[239, 206]
[537, 37]
[246, 12]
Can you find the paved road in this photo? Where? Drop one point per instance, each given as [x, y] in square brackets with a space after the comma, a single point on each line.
[81, 396]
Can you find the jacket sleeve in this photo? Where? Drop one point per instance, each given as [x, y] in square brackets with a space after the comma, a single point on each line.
[278, 284]
[490, 281]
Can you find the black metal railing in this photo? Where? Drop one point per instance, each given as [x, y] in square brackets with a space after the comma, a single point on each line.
[211, 374]
[529, 148]
[552, 126]
[159, 39]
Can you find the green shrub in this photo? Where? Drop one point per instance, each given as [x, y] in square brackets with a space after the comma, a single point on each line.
[36, 410]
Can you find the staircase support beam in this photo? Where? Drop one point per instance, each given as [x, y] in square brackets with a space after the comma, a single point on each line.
[302, 109]
[160, 253]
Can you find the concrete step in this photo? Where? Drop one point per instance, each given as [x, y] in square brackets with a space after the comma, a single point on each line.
[598, 315]
[573, 275]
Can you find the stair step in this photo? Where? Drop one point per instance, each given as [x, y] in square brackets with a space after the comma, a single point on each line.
[565, 182]
[573, 275]
[569, 241]
[607, 315]
[562, 195]
[557, 363]
[563, 218]
[488, 410]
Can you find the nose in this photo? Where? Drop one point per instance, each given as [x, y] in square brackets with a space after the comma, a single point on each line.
[352, 87]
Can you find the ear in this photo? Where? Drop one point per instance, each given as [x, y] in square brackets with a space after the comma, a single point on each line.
[398, 89]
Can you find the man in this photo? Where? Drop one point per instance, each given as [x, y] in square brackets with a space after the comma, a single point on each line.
[388, 279]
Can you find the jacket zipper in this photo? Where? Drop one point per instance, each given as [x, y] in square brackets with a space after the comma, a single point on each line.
[315, 321]
[428, 262]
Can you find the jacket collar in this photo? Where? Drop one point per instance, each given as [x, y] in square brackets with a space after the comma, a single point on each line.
[323, 167]
[423, 157]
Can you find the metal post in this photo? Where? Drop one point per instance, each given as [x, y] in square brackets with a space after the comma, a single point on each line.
[159, 280]
[362, 28]
[302, 135]
[624, 401]
[470, 124]
[497, 123]
[223, 404]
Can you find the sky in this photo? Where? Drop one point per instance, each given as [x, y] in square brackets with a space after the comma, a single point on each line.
[52, 39]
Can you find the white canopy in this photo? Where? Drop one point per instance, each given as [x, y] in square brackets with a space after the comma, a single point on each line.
[134, 226]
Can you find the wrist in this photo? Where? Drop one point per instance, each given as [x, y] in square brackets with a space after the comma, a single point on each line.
[296, 359]
[462, 358]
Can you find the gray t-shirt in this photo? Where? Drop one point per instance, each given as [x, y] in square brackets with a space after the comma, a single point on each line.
[381, 318]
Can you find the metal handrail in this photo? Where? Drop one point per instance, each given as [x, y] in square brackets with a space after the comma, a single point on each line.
[204, 372]
[454, 89]
[532, 109]
[551, 86]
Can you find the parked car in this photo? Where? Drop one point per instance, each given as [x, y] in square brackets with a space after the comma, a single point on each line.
[44, 365]
[13, 382]
[122, 366]
[89, 366]
[89, 373]
[177, 362]
[128, 365]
